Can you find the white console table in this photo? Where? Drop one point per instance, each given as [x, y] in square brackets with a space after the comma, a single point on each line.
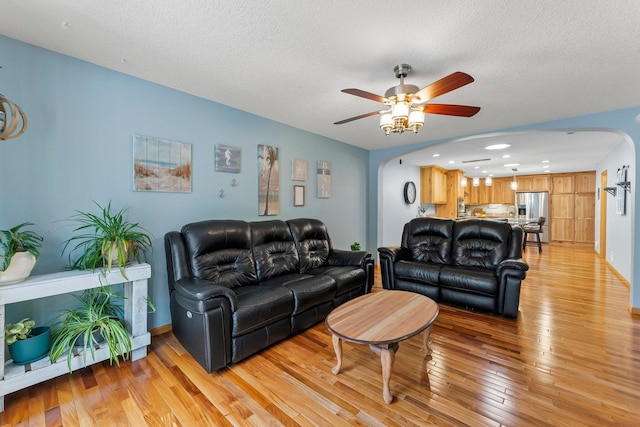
[16, 377]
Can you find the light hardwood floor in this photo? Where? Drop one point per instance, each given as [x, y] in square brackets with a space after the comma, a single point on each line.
[572, 358]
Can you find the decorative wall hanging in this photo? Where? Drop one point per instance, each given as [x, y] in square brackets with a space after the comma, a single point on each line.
[324, 179]
[13, 121]
[298, 195]
[227, 158]
[268, 180]
[298, 170]
[161, 165]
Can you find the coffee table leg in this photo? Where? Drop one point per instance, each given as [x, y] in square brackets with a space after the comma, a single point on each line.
[387, 357]
[337, 347]
[425, 342]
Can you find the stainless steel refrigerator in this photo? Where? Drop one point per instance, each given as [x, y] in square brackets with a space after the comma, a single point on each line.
[531, 206]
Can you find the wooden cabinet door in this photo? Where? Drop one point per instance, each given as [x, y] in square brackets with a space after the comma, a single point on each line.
[433, 185]
[508, 195]
[540, 183]
[585, 208]
[562, 221]
[562, 184]
[474, 194]
[484, 193]
[585, 182]
[496, 191]
[524, 183]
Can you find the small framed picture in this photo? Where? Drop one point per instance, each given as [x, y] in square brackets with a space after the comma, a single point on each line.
[227, 159]
[298, 170]
[298, 195]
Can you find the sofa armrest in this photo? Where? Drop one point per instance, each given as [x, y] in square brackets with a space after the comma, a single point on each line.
[517, 266]
[202, 290]
[352, 258]
[394, 254]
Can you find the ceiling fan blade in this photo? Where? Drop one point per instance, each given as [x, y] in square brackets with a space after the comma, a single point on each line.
[451, 110]
[442, 86]
[365, 94]
[362, 116]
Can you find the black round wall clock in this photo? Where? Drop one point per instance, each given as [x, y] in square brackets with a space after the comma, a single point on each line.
[409, 192]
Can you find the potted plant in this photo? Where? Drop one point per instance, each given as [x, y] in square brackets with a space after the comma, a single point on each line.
[106, 239]
[18, 253]
[355, 246]
[98, 319]
[27, 343]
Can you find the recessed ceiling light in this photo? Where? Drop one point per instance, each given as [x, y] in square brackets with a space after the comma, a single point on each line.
[451, 162]
[509, 165]
[497, 146]
[484, 171]
[476, 167]
[546, 167]
[545, 161]
[436, 155]
[506, 156]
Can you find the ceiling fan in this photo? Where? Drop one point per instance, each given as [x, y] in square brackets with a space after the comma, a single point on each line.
[407, 103]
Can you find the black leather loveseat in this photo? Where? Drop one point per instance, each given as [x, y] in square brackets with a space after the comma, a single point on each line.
[237, 287]
[474, 264]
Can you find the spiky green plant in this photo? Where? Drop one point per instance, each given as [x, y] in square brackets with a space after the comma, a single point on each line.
[104, 237]
[13, 240]
[99, 311]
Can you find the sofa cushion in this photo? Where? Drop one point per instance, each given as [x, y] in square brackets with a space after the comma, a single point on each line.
[307, 290]
[480, 243]
[470, 279]
[420, 272]
[346, 278]
[258, 306]
[430, 239]
[312, 241]
[220, 251]
[274, 250]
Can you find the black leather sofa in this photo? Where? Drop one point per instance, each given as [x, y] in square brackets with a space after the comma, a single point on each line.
[474, 264]
[237, 287]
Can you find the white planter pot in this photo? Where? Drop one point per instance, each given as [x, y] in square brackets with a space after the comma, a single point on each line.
[19, 268]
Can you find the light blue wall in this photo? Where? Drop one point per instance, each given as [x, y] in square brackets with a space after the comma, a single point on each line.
[78, 148]
[626, 121]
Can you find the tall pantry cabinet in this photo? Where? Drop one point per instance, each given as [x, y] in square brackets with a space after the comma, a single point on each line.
[573, 207]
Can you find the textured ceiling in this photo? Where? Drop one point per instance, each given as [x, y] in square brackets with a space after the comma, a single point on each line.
[288, 60]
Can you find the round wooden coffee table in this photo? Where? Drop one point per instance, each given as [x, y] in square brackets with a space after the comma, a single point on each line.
[382, 319]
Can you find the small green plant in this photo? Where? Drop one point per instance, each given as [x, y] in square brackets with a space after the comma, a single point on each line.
[98, 317]
[14, 240]
[355, 246]
[106, 239]
[18, 331]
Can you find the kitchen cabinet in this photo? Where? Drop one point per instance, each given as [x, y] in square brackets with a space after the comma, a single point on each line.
[502, 192]
[524, 183]
[540, 183]
[454, 191]
[562, 184]
[433, 185]
[585, 182]
[562, 221]
[573, 207]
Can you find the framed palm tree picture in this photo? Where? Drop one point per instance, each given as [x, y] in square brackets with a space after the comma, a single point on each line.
[268, 180]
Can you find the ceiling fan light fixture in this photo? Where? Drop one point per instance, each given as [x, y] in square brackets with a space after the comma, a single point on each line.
[386, 122]
[416, 120]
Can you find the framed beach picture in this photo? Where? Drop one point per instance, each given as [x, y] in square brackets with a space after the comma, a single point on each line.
[298, 170]
[268, 180]
[227, 158]
[161, 165]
